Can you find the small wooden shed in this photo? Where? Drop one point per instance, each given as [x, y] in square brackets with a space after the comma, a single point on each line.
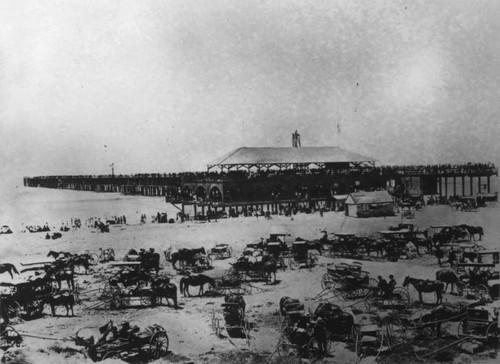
[369, 204]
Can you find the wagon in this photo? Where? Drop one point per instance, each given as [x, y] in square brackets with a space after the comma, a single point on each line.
[475, 285]
[231, 284]
[220, 251]
[26, 299]
[232, 319]
[302, 254]
[348, 281]
[119, 294]
[151, 343]
[277, 251]
[480, 324]
[399, 298]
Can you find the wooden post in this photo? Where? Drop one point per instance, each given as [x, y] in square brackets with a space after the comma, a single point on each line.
[195, 208]
[454, 186]
[479, 184]
[446, 187]
[439, 187]
[471, 188]
[488, 179]
[463, 186]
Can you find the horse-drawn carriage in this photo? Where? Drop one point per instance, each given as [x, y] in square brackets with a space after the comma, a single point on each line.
[231, 318]
[473, 280]
[27, 299]
[480, 323]
[256, 267]
[123, 343]
[348, 281]
[304, 254]
[397, 298]
[220, 251]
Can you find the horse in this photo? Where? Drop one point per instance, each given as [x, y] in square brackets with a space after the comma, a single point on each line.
[448, 276]
[422, 285]
[473, 230]
[184, 256]
[60, 275]
[162, 287]
[150, 261]
[82, 260]
[8, 268]
[195, 280]
[269, 267]
[62, 299]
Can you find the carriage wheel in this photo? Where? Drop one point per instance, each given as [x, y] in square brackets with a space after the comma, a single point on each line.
[146, 300]
[372, 283]
[158, 345]
[401, 295]
[460, 287]
[492, 331]
[93, 259]
[481, 292]
[112, 355]
[326, 281]
[15, 309]
[369, 301]
[107, 291]
[11, 336]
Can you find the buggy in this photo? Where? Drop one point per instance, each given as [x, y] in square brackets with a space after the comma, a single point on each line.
[277, 251]
[303, 255]
[348, 281]
[220, 251]
[152, 343]
[232, 318]
[9, 337]
[480, 324]
[26, 299]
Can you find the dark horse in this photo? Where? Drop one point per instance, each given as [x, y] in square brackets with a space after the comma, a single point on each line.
[162, 287]
[184, 256]
[62, 299]
[150, 261]
[473, 230]
[195, 280]
[8, 268]
[448, 276]
[426, 286]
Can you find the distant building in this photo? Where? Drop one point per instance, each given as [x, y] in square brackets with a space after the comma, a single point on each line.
[369, 204]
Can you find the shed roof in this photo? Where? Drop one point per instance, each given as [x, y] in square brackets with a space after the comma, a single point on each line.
[373, 197]
[271, 155]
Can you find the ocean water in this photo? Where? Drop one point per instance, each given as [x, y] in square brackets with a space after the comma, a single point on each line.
[21, 206]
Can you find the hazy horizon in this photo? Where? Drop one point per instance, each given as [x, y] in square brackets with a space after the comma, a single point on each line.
[167, 86]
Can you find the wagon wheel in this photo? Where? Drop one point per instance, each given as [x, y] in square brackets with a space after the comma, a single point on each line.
[481, 292]
[401, 295]
[234, 273]
[492, 331]
[119, 301]
[460, 287]
[146, 300]
[369, 301]
[111, 354]
[15, 309]
[11, 336]
[93, 259]
[326, 281]
[372, 283]
[158, 345]
[107, 291]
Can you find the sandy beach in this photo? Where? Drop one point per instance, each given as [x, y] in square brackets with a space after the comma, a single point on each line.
[189, 327]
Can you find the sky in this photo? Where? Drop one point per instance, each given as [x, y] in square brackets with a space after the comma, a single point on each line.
[166, 86]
